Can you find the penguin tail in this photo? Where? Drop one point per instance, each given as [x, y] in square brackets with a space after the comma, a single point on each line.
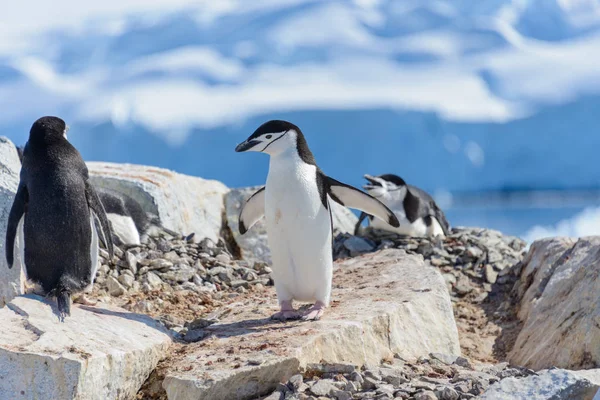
[63, 299]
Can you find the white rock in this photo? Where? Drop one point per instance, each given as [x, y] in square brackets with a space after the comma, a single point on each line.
[385, 303]
[559, 307]
[184, 203]
[11, 280]
[95, 354]
[253, 244]
[557, 384]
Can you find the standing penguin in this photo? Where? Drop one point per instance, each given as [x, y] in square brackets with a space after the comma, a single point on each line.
[418, 213]
[57, 203]
[296, 203]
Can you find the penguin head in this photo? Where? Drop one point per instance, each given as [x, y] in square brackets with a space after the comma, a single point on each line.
[383, 184]
[273, 137]
[48, 127]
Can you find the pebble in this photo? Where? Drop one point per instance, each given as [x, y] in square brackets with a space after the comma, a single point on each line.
[114, 287]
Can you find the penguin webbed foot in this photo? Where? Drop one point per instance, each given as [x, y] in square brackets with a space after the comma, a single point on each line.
[287, 312]
[315, 312]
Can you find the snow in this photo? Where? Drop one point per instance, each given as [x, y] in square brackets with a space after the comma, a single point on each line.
[585, 223]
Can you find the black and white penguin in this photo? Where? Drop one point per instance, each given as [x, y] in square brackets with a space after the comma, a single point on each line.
[296, 202]
[55, 206]
[416, 210]
[130, 224]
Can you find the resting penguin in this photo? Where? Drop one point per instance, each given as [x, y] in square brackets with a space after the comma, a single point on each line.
[54, 208]
[296, 202]
[418, 213]
[130, 224]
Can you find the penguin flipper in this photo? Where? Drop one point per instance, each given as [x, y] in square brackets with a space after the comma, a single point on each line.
[252, 211]
[350, 196]
[97, 208]
[17, 211]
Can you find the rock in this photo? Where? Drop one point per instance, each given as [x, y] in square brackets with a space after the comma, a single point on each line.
[131, 262]
[180, 273]
[490, 274]
[274, 396]
[253, 245]
[195, 335]
[559, 305]
[556, 384]
[356, 244]
[323, 387]
[114, 287]
[426, 395]
[11, 280]
[96, 353]
[448, 393]
[183, 203]
[447, 359]
[153, 280]
[126, 280]
[331, 368]
[410, 315]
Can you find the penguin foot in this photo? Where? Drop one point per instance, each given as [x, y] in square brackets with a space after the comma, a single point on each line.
[287, 312]
[315, 312]
[82, 299]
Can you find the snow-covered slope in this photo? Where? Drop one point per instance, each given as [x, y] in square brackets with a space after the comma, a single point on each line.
[452, 95]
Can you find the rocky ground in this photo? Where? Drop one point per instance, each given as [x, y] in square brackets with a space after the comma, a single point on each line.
[440, 376]
[187, 285]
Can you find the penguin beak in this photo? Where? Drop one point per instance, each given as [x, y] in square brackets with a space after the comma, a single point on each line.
[247, 145]
[373, 182]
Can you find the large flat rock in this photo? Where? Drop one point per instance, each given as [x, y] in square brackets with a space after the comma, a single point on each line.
[253, 244]
[555, 384]
[97, 353]
[559, 306]
[184, 203]
[383, 303]
[11, 280]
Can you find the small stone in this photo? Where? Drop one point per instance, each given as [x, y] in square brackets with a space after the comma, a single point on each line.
[143, 306]
[114, 287]
[463, 362]
[160, 264]
[153, 280]
[448, 393]
[274, 396]
[350, 387]
[373, 374]
[295, 382]
[331, 368]
[223, 258]
[393, 377]
[126, 280]
[131, 262]
[426, 395]
[357, 377]
[445, 358]
[341, 395]
[217, 271]
[370, 383]
[323, 387]
[358, 245]
[490, 274]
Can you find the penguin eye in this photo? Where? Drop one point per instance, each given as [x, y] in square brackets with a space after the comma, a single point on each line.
[269, 136]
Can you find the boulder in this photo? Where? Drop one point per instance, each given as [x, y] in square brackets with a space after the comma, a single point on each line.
[253, 244]
[97, 353]
[184, 203]
[384, 303]
[558, 287]
[11, 280]
[555, 384]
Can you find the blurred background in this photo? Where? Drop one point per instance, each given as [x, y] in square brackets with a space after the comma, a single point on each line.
[492, 106]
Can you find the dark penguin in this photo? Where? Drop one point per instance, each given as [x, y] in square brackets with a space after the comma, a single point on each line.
[130, 224]
[418, 213]
[58, 205]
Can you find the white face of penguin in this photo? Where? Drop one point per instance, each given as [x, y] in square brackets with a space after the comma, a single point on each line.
[273, 138]
[385, 186]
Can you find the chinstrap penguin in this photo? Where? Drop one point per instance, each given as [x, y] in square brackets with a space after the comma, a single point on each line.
[130, 224]
[296, 203]
[53, 213]
[416, 210]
